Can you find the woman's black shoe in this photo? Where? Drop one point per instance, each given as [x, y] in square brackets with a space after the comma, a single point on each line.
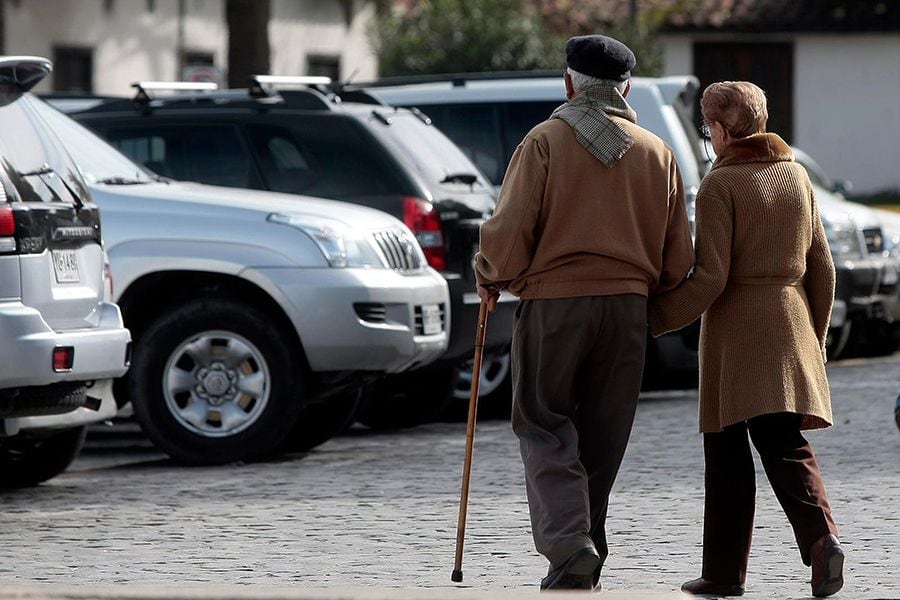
[702, 587]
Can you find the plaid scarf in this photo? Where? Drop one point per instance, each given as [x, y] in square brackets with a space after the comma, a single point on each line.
[588, 114]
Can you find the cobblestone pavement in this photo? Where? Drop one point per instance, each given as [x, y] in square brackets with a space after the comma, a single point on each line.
[379, 510]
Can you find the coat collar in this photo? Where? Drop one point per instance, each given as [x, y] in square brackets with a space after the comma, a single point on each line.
[759, 147]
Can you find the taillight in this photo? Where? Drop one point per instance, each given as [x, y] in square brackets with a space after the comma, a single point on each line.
[7, 229]
[63, 358]
[425, 222]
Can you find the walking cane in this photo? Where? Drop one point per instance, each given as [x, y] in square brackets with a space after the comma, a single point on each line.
[457, 574]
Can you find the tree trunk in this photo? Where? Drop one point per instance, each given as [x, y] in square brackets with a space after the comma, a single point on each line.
[248, 39]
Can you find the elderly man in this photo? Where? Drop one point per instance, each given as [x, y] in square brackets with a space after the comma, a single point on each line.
[591, 221]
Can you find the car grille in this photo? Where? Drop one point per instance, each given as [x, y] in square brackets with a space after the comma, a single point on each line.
[420, 328]
[874, 240]
[398, 249]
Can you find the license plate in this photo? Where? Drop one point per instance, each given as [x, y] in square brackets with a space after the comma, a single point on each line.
[65, 265]
[431, 319]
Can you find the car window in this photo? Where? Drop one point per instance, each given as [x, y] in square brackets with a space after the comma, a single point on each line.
[327, 157]
[26, 148]
[816, 175]
[476, 129]
[429, 151]
[210, 154]
[521, 117]
[96, 159]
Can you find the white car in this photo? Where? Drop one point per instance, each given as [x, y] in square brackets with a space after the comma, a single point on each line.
[61, 340]
[867, 272]
[255, 315]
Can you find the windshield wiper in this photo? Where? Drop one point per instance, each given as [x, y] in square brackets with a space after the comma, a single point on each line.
[120, 181]
[466, 178]
[46, 169]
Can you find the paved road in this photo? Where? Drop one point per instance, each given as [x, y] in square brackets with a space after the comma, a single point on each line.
[370, 510]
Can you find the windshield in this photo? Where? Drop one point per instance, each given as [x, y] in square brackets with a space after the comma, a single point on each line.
[98, 161]
[434, 156]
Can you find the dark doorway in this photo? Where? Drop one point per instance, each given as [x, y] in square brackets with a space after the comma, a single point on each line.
[73, 69]
[770, 66]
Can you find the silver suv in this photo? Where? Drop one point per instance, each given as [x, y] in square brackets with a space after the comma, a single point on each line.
[60, 339]
[256, 315]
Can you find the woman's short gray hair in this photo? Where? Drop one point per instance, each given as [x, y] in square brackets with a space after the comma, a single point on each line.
[581, 81]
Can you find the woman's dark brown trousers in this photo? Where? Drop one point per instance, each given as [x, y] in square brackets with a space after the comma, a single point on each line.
[793, 472]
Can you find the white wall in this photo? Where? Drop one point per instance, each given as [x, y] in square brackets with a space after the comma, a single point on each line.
[678, 56]
[303, 27]
[131, 42]
[847, 107]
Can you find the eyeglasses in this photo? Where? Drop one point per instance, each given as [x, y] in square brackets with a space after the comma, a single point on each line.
[706, 136]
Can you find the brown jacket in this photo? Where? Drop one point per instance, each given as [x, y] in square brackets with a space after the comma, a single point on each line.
[567, 226]
[764, 282]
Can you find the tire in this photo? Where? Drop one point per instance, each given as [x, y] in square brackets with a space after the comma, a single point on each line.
[320, 422]
[213, 382]
[494, 390]
[407, 400]
[28, 461]
[836, 341]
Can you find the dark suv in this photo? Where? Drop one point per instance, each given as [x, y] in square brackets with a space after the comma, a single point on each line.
[305, 141]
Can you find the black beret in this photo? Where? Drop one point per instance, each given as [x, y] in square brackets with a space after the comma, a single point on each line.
[600, 56]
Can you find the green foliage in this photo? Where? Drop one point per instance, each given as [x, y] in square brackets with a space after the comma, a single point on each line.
[456, 36]
[645, 45]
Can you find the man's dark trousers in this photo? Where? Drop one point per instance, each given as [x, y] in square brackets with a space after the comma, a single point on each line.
[576, 366]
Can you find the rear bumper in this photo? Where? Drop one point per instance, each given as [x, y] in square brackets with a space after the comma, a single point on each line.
[101, 391]
[465, 305]
[26, 348]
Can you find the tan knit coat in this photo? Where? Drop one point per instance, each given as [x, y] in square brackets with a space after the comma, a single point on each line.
[764, 283]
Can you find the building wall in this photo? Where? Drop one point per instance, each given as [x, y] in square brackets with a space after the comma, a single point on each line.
[846, 108]
[138, 39]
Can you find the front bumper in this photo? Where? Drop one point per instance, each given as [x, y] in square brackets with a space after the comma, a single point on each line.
[27, 345]
[360, 319]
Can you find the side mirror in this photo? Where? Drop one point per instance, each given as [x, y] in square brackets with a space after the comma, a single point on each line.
[18, 74]
[842, 186]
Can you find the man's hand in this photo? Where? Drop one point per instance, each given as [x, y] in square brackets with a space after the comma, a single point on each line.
[489, 294]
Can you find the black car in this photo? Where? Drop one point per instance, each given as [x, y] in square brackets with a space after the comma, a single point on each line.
[304, 141]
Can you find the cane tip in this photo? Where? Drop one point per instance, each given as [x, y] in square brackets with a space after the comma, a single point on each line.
[456, 575]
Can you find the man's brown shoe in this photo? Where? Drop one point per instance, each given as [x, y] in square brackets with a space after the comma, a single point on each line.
[827, 561]
[702, 587]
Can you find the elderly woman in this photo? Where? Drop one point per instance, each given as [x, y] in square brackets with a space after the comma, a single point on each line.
[764, 283]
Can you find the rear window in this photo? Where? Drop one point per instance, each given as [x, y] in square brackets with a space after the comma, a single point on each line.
[27, 147]
[430, 152]
[211, 154]
[327, 157]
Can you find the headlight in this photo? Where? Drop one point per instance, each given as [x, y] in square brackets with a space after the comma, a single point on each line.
[341, 245]
[843, 238]
[892, 245]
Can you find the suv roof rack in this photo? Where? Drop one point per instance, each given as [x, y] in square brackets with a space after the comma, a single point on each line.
[144, 88]
[457, 79]
[263, 85]
[310, 90]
